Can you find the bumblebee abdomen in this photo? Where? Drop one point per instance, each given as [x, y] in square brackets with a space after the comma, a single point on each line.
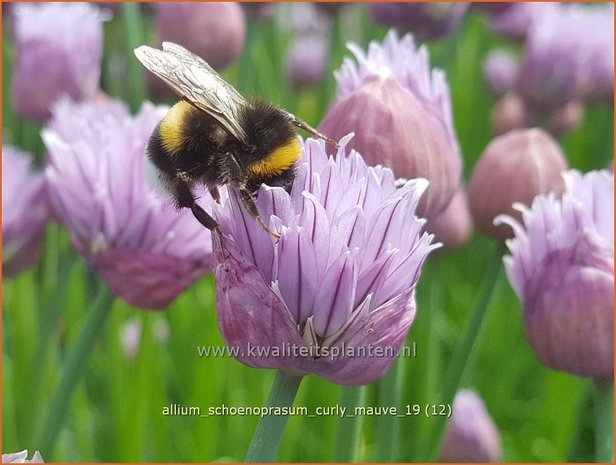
[278, 148]
[277, 161]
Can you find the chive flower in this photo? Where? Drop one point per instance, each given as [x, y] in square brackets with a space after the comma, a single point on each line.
[308, 54]
[562, 269]
[215, 31]
[471, 435]
[24, 211]
[568, 54]
[100, 189]
[400, 112]
[514, 167]
[58, 48]
[335, 295]
[500, 69]
[515, 21]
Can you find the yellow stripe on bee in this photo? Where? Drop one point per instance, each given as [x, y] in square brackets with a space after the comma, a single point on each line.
[278, 161]
[171, 127]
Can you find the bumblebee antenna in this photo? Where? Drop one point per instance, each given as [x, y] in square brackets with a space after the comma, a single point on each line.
[295, 121]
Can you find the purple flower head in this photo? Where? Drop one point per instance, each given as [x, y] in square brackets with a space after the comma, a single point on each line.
[341, 279]
[58, 50]
[306, 61]
[515, 21]
[408, 64]
[24, 211]
[427, 21]
[569, 52]
[509, 113]
[211, 30]
[501, 71]
[471, 435]
[400, 111]
[307, 19]
[562, 268]
[514, 168]
[144, 249]
[567, 118]
[596, 50]
[308, 55]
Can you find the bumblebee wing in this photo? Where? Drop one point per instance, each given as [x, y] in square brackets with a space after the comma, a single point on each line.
[194, 80]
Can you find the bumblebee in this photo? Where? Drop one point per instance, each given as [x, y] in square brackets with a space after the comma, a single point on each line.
[213, 136]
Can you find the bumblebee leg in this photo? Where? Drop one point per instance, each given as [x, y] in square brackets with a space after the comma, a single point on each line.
[210, 223]
[204, 218]
[186, 199]
[245, 195]
[249, 203]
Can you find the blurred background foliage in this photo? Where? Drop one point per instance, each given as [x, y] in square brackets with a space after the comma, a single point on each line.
[115, 415]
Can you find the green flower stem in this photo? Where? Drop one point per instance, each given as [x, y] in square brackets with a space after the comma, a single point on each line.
[134, 36]
[49, 316]
[604, 417]
[464, 349]
[433, 368]
[348, 430]
[266, 440]
[388, 427]
[74, 369]
[434, 317]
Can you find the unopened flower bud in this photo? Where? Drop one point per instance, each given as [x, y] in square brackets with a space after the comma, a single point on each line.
[566, 119]
[453, 226]
[213, 31]
[501, 70]
[514, 167]
[471, 435]
[307, 61]
[509, 113]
